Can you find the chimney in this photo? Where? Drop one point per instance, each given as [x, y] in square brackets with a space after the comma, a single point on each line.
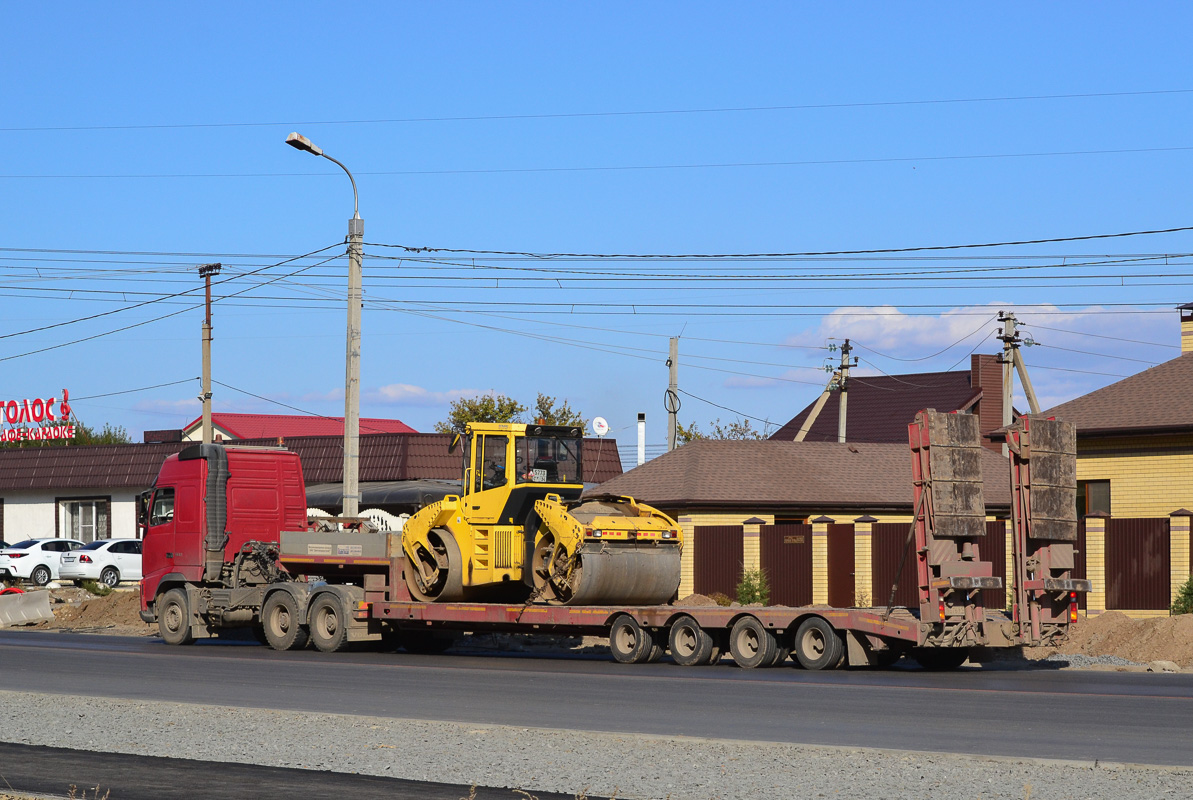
[985, 373]
[1186, 328]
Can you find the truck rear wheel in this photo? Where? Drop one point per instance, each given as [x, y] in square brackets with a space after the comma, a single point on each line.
[751, 644]
[817, 645]
[174, 617]
[691, 645]
[283, 630]
[329, 623]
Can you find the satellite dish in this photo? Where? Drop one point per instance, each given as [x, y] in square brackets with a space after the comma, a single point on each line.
[599, 426]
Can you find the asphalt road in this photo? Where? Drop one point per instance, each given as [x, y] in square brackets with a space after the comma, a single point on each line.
[53, 770]
[1043, 713]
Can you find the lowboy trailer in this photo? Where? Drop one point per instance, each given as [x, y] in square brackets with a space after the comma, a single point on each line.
[362, 592]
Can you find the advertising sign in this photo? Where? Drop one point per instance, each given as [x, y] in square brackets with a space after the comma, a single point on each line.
[37, 420]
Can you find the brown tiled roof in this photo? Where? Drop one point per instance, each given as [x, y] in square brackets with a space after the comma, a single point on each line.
[880, 408]
[1157, 399]
[114, 466]
[383, 457]
[775, 475]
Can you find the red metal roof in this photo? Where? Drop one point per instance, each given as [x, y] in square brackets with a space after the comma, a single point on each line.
[260, 426]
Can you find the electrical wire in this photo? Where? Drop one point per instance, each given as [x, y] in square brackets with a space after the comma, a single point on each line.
[594, 114]
[132, 391]
[934, 355]
[1100, 336]
[363, 427]
[766, 422]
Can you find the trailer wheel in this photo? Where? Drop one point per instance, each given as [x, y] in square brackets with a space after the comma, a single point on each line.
[939, 659]
[174, 618]
[630, 643]
[691, 645]
[817, 645]
[751, 644]
[329, 623]
[283, 630]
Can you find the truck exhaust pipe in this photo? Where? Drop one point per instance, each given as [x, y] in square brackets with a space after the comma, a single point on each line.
[216, 501]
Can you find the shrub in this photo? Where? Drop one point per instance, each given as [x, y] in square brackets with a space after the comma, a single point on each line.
[97, 589]
[753, 588]
[1183, 604]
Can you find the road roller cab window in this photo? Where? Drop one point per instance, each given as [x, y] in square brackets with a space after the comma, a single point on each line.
[548, 459]
[492, 450]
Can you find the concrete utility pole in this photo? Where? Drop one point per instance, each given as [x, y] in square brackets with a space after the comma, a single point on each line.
[846, 349]
[810, 420]
[672, 397]
[356, 235]
[641, 438]
[205, 272]
[1012, 361]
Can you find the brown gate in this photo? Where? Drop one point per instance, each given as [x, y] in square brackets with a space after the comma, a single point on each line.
[886, 545]
[840, 566]
[1079, 559]
[717, 559]
[785, 553]
[994, 549]
[1137, 564]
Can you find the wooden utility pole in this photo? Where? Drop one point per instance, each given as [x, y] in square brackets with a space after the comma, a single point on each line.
[205, 272]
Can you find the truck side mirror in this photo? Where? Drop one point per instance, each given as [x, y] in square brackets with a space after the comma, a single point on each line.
[143, 509]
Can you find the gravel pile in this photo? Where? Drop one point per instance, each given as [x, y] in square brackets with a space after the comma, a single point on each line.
[600, 764]
[1080, 660]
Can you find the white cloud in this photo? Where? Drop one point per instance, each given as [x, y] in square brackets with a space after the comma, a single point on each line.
[405, 394]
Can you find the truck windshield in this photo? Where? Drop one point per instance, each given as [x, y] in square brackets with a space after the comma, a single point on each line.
[548, 459]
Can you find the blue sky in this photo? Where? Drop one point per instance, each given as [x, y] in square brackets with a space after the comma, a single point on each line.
[150, 137]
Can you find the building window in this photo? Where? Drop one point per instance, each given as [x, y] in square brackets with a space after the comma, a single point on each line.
[86, 520]
[1093, 497]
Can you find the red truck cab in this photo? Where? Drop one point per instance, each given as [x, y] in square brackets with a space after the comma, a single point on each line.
[207, 501]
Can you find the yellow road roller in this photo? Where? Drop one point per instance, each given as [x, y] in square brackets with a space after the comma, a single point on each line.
[521, 532]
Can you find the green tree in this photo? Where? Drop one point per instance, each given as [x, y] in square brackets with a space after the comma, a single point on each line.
[738, 429]
[753, 588]
[1183, 604]
[552, 414]
[482, 408]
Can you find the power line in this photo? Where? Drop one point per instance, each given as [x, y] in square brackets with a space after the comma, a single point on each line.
[132, 391]
[594, 114]
[611, 168]
[766, 422]
[1101, 336]
[645, 256]
[293, 408]
[934, 355]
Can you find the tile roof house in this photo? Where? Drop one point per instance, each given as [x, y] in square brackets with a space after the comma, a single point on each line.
[260, 426]
[880, 407]
[1135, 441]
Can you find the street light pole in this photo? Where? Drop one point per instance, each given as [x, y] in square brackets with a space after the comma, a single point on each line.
[356, 234]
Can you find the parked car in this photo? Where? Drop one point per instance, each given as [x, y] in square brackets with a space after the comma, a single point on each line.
[108, 561]
[35, 560]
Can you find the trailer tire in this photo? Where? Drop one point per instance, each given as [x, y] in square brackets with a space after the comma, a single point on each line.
[629, 642]
[283, 627]
[940, 659]
[817, 645]
[174, 617]
[328, 623]
[691, 645]
[751, 644]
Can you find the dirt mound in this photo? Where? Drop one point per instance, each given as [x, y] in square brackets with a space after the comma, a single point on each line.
[696, 601]
[1113, 633]
[79, 610]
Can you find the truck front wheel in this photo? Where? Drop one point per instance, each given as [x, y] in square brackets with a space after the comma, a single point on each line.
[283, 628]
[174, 617]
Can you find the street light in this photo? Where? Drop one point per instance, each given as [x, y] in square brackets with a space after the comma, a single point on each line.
[356, 233]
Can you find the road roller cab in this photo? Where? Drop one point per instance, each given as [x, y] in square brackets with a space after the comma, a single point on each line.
[520, 530]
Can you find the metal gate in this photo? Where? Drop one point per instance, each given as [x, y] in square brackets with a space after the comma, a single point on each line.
[887, 541]
[1137, 564]
[785, 553]
[1079, 560]
[840, 566]
[717, 559]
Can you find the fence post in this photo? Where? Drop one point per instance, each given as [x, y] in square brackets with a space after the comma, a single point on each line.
[751, 530]
[1178, 549]
[863, 579]
[820, 559]
[1095, 561]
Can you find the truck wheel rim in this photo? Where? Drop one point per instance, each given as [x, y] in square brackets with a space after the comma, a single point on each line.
[747, 643]
[813, 644]
[685, 641]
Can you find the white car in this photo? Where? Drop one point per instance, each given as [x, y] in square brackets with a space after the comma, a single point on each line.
[35, 560]
[108, 561]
